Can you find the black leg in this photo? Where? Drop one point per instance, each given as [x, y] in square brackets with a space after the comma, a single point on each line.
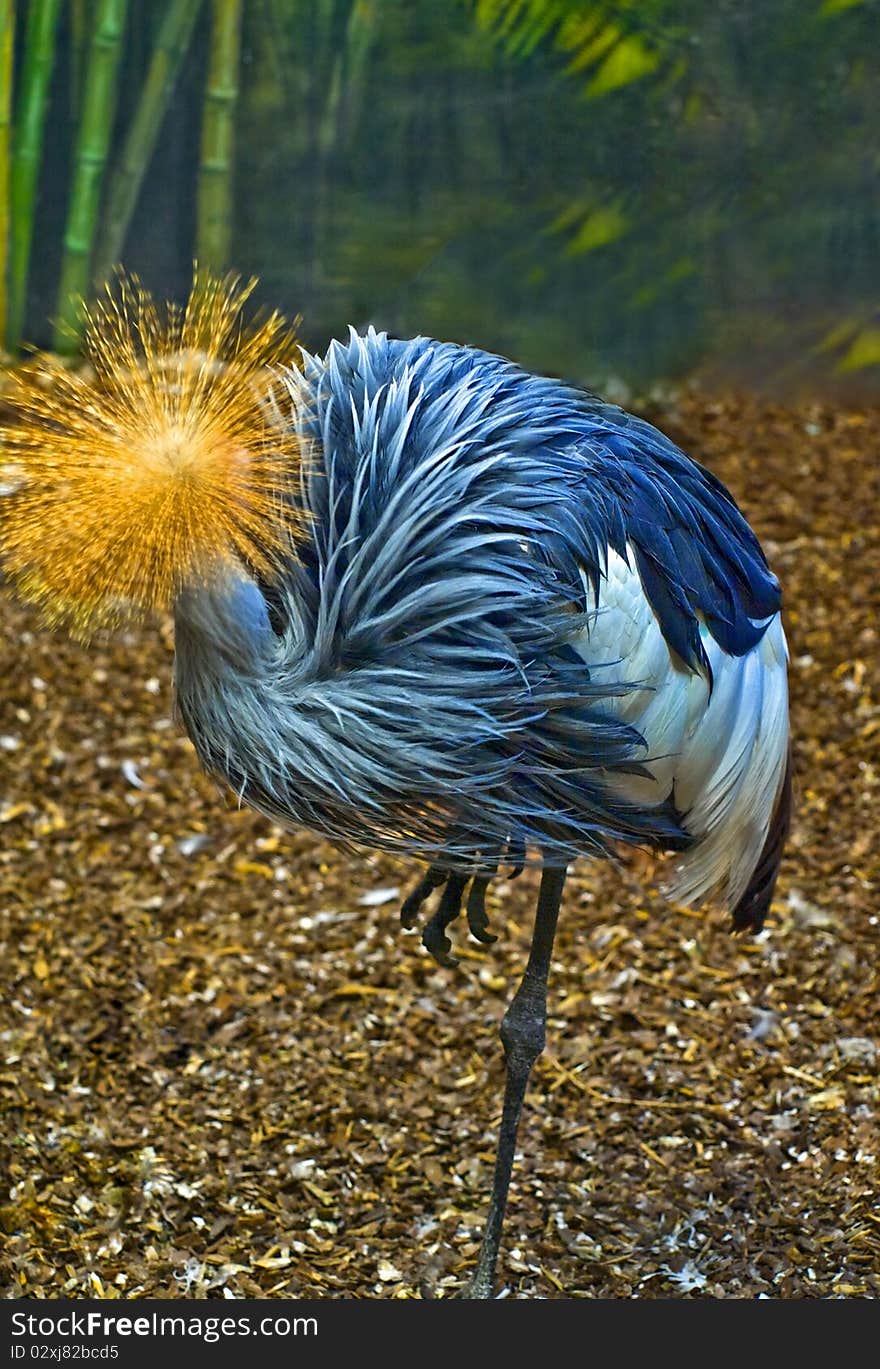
[522, 1034]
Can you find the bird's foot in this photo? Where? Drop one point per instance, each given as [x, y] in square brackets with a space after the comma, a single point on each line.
[454, 884]
[434, 937]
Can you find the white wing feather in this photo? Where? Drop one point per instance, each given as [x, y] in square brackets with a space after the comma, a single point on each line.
[720, 756]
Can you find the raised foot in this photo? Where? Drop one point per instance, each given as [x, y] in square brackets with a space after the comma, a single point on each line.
[454, 883]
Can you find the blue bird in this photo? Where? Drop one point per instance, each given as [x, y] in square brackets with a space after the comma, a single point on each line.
[521, 621]
[516, 623]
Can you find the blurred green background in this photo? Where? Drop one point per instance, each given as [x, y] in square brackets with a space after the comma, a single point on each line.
[615, 192]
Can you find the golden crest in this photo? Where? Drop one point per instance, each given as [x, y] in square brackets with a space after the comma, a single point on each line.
[160, 463]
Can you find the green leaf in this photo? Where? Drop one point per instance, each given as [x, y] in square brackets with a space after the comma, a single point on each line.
[629, 61]
[864, 351]
[598, 229]
[570, 215]
[838, 6]
[693, 107]
[838, 335]
[588, 47]
[681, 269]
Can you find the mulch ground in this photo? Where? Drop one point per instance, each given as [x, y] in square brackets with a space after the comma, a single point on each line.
[227, 1072]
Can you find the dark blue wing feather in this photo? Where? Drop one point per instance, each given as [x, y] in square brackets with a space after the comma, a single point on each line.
[696, 555]
[456, 506]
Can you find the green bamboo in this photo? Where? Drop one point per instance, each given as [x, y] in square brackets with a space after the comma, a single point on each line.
[90, 159]
[38, 59]
[172, 42]
[7, 45]
[360, 37]
[78, 20]
[344, 93]
[214, 206]
[348, 71]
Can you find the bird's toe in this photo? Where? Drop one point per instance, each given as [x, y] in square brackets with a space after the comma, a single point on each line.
[434, 937]
[478, 918]
[412, 904]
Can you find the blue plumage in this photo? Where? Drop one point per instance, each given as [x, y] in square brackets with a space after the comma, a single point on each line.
[423, 691]
[616, 477]
[519, 618]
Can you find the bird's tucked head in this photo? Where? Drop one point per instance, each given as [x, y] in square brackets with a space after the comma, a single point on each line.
[160, 466]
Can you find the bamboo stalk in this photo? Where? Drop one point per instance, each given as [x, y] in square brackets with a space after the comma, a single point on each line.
[333, 80]
[345, 85]
[7, 45]
[78, 35]
[90, 159]
[214, 205]
[360, 36]
[172, 42]
[30, 118]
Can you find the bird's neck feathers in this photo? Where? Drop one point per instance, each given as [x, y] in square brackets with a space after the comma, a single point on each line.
[225, 656]
[223, 628]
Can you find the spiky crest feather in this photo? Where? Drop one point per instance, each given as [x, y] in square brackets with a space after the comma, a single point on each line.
[157, 465]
